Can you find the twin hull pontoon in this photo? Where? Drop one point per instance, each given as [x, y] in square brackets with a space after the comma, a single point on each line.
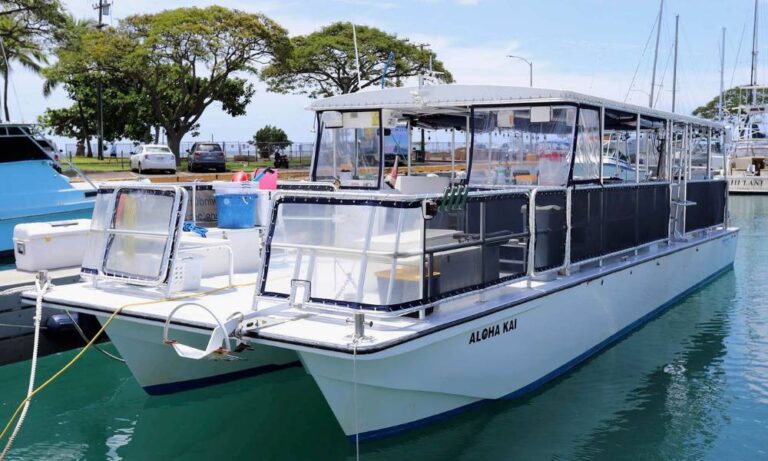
[410, 303]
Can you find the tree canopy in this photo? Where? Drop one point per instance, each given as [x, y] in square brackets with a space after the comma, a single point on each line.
[175, 63]
[127, 109]
[18, 48]
[270, 139]
[38, 19]
[27, 28]
[323, 63]
[732, 99]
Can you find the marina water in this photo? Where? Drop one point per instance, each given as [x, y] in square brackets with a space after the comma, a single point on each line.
[691, 384]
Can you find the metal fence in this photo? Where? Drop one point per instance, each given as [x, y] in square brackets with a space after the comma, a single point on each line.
[299, 153]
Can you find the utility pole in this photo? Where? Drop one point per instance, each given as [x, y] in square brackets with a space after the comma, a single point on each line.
[674, 67]
[357, 56]
[423, 144]
[722, 71]
[656, 55]
[101, 6]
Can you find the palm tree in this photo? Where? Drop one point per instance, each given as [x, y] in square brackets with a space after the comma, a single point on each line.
[21, 49]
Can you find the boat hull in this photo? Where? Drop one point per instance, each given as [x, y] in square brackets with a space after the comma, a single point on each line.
[510, 352]
[743, 184]
[159, 370]
[34, 192]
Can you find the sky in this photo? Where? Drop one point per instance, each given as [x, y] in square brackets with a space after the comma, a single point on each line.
[598, 47]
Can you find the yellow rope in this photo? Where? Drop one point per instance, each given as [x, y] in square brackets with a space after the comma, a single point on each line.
[97, 335]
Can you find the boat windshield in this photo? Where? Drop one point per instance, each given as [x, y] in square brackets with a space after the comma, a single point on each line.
[351, 150]
[523, 145]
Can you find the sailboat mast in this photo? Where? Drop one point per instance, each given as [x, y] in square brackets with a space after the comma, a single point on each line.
[656, 55]
[674, 68]
[753, 81]
[722, 72]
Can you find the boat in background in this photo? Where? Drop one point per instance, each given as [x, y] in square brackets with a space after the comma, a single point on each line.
[748, 159]
[748, 155]
[33, 189]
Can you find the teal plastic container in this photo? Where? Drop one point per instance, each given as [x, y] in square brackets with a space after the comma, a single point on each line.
[236, 205]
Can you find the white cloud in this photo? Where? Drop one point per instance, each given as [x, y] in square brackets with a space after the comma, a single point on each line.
[468, 2]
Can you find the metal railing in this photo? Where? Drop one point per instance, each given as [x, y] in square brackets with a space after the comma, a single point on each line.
[542, 217]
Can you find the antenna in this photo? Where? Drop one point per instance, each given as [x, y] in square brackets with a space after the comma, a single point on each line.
[421, 77]
[386, 68]
[357, 56]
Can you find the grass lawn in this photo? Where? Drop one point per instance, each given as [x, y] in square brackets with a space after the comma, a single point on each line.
[90, 165]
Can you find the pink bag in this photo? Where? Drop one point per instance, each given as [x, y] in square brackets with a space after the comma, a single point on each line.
[268, 181]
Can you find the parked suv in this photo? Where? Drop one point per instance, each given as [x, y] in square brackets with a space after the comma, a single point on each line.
[206, 155]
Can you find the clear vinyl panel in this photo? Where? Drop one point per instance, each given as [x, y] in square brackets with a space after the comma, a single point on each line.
[351, 153]
[587, 166]
[699, 152]
[139, 232]
[619, 156]
[361, 254]
[523, 145]
[653, 139]
[97, 238]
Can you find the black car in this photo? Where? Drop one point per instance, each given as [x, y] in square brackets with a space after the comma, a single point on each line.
[205, 156]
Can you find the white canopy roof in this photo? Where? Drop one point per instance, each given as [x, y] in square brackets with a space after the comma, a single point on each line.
[436, 98]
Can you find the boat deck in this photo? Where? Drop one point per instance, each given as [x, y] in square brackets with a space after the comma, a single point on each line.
[149, 304]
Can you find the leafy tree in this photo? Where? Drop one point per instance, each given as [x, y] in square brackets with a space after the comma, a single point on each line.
[26, 28]
[39, 19]
[270, 139]
[170, 67]
[186, 59]
[732, 99]
[21, 49]
[128, 110]
[323, 62]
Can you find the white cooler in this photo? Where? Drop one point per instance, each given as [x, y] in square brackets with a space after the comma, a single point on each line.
[50, 245]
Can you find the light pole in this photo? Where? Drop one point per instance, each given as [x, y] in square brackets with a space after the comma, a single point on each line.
[530, 67]
[103, 8]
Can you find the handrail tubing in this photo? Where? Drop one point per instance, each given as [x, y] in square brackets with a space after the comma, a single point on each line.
[530, 272]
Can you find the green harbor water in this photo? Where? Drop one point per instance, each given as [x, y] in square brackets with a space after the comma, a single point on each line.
[690, 385]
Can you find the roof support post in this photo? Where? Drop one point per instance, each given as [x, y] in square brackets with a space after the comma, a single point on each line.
[637, 150]
[602, 130]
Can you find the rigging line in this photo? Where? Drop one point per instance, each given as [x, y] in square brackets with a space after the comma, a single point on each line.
[640, 61]
[663, 74]
[668, 36]
[684, 46]
[738, 52]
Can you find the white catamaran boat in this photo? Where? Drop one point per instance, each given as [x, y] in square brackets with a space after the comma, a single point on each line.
[410, 303]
